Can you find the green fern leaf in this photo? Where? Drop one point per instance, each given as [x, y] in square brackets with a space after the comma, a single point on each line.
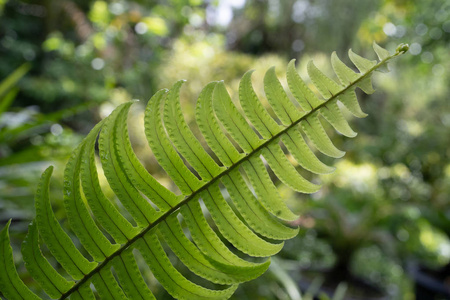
[301, 92]
[58, 242]
[130, 278]
[278, 99]
[253, 212]
[10, 284]
[113, 166]
[297, 146]
[38, 266]
[265, 190]
[103, 209]
[90, 236]
[285, 171]
[248, 214]
[210, 128]
[254, 110]
[106, 286]
[214, 249]
[315, 132]
[183, 138]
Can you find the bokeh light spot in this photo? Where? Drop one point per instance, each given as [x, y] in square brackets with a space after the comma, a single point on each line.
[56, 129]
[141, 28]
[97, 63]
[415, 49]
[389, 29]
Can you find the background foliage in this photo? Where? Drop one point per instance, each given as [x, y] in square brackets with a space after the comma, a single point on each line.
[385, 209]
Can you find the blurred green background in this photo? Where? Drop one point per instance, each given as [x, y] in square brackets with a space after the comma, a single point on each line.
[380, 222]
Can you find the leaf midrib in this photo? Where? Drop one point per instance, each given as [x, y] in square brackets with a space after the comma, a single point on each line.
[220, 175]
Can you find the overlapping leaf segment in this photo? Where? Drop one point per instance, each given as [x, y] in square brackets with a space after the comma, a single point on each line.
[251, 226]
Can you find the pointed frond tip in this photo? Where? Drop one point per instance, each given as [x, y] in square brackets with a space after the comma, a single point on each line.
[402, 48]
[249, 216]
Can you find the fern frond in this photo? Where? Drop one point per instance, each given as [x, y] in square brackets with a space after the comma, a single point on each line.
[251, 220]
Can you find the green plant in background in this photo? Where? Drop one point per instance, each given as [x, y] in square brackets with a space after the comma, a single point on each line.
[8, 89]
[22, 150]
[347, 230]
[247, 222]
[352, 225]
